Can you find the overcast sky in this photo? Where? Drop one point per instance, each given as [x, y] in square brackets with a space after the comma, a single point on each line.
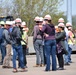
[64, 7]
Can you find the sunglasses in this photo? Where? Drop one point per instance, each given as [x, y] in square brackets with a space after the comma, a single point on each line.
[18, 23]
[45, 19]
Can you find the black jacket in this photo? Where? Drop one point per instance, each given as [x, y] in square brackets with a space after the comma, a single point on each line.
[60, 39]
[16, 35]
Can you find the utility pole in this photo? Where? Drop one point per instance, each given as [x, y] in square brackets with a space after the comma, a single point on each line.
[69, 11]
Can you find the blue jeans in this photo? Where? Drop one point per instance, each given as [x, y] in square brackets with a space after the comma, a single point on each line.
[69, 52]
[50, 49]
[66, 56]
[44, 54]
[39, 52]
[3, 52]
[17, 50]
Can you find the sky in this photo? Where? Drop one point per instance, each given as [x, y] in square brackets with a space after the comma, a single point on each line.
[64, 7]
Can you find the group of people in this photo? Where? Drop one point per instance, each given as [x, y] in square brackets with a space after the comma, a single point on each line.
[13, 38]
[51, 40]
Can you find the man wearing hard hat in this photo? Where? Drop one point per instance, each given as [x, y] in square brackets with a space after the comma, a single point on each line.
[37, 41]
[7, 43]
[17, 47]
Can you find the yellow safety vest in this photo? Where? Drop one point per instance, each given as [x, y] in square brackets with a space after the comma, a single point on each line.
[69, 40]
[24, 37]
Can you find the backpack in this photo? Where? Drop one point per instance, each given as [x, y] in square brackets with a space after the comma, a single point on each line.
[1, 35]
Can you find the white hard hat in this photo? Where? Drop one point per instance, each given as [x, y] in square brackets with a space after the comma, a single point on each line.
[2, 22]
[13, 22]
[68, 24]
[48, 17]
[8, 23]
[37, 18]
[41, 19]
[61, 20]
[61, 25]
[23, 24]
[18, 20]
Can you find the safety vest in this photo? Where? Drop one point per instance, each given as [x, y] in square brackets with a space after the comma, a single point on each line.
[24, 37]
[72, 35]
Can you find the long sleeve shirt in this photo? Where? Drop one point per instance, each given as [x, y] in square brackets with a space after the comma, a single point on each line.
[50, 30]
[36, 33]
[16, 35]
[6, 37]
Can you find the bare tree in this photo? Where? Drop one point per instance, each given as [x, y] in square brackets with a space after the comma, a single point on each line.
[28, 9]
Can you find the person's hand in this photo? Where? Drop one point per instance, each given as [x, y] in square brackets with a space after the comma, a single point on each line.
[73, 43]
[46, 35]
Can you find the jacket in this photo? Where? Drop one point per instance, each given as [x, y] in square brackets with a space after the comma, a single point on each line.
[50, 30]
[36, 34]
[60, 38]
[6, 37]
[16, 36]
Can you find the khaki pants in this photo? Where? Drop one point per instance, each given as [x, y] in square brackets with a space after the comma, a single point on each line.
[6, 61]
